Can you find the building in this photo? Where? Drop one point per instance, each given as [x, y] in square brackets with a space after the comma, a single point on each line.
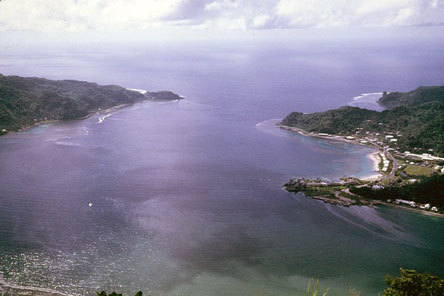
[405, 202]
[424, 156]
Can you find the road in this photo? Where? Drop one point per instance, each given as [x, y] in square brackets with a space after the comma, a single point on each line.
[394, 164]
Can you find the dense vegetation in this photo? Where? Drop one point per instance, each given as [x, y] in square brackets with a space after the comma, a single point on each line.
[427, 190]
[412, 283]
[421, 95]
[418, 116]
[25, 101]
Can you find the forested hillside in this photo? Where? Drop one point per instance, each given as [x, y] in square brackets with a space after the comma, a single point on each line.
[418, 119]
[25, 101]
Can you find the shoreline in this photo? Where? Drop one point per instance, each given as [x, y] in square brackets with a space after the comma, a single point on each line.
[413, 210]
[373, 156]
[327, 137]
[92, 113]
[377, 176]
[348, 202]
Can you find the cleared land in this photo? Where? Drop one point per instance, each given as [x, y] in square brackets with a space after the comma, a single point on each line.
[414, 170]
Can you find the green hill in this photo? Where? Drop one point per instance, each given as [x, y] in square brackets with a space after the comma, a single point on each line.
[421, 95]
[417, 117]
[26, 101]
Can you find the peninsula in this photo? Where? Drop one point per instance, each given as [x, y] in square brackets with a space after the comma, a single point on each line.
[25, 102]
[409, 136]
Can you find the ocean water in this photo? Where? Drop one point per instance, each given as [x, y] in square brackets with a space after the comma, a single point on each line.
[186, 196]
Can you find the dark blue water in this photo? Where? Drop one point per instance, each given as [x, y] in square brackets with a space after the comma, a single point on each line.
[186, 196]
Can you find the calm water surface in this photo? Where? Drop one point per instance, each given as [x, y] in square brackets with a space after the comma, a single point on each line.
[187, 196]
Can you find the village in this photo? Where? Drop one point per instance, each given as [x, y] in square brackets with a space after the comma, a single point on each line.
[394, 166]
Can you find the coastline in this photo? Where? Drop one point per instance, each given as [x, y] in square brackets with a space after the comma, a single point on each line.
[91, 113]
[373, 156]
[413, 210]
[99, 111]
[327, 137]
[376, 176]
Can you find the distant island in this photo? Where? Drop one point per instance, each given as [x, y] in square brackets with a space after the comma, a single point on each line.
[25, 102]
[409, 135]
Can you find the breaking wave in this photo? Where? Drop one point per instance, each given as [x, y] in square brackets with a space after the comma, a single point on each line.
[102, 118]
[367, 101]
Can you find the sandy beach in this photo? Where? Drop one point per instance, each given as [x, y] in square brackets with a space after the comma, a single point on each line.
[376, 159]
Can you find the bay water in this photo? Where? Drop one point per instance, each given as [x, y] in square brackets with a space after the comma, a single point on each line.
[185, 197]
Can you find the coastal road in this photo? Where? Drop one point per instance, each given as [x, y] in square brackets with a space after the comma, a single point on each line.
[394, 164]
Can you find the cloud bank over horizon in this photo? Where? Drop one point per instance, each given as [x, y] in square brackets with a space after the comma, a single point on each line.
[90, 15]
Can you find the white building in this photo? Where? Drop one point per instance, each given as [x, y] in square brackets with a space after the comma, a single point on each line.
[405, 202]
[424, 156]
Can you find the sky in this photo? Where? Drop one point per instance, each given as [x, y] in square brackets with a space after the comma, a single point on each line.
[121, 15]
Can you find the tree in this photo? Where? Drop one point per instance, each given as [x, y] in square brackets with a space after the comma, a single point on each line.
[412, 283]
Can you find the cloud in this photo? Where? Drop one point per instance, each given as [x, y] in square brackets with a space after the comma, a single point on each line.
[81, 15]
